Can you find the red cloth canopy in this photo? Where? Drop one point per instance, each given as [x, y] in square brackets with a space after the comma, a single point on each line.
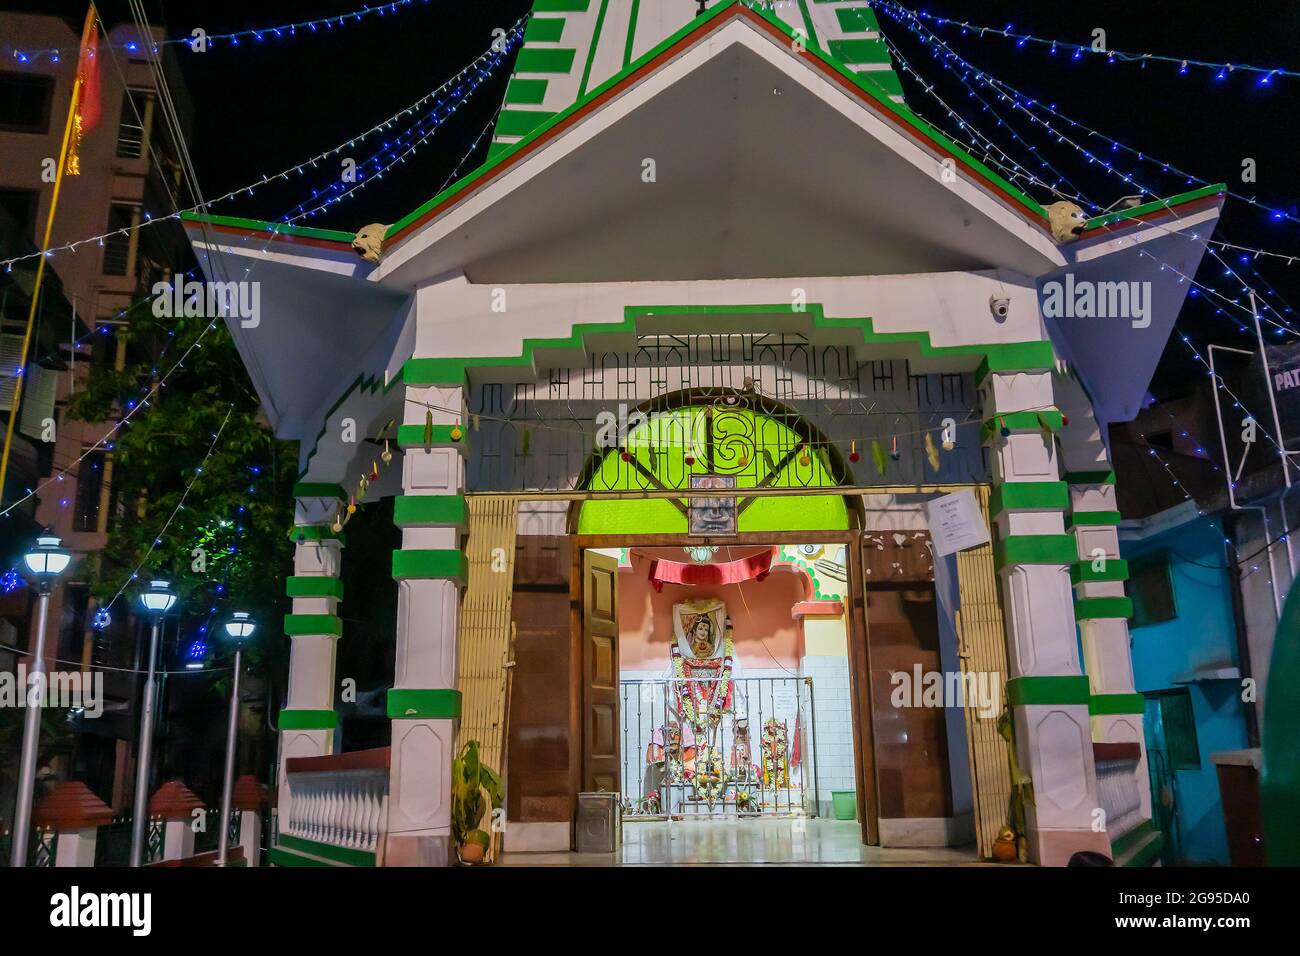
[755, 567]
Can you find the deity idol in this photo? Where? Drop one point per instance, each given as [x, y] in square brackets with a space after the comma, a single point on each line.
[703, 668]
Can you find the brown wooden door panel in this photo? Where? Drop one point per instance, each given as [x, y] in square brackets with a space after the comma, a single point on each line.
[600, 758]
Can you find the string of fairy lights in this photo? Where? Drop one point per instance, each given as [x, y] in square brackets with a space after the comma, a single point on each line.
[477, 69]
[1220, 71]
[199, 40]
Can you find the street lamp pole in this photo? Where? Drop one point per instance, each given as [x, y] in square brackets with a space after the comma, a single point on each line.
[240, 627]
[45, 562]
[157, 601]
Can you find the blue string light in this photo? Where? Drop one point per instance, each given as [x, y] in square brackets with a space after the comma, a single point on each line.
[210, 41]
[1221, 70]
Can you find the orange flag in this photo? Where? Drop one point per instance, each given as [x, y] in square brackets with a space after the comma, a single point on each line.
[86, 105]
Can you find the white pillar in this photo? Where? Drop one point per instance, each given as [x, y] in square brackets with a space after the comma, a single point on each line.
[1046, 687]
[250, 836]
[424, 703]
[76, 846]
[308, 721]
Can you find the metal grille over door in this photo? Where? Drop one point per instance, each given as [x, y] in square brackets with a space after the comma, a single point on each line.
[982, 648]
[483, 650]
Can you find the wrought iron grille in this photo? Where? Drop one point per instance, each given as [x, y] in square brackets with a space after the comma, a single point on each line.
[769, 408]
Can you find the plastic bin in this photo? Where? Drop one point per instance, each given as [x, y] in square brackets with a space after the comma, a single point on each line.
[845, 804]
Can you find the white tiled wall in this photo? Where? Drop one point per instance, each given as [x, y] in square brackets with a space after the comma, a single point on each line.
[832, 707]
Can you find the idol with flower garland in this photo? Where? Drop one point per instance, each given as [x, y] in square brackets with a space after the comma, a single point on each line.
[703, 668]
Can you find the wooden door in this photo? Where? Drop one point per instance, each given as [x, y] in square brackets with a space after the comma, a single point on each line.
[860, 694]
[600, 767]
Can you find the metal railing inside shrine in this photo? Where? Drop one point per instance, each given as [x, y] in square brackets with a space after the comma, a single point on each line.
[751, 756]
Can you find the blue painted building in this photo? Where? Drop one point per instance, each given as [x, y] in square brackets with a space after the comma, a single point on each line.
[1185, 663]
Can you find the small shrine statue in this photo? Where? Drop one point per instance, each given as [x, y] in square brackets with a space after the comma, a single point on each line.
[742, 767]
[776, 754]
[703, 668]
[669, 757]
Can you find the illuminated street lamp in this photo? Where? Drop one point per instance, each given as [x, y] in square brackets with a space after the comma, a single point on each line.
[45, 562]
[240, 628]
[156, 601]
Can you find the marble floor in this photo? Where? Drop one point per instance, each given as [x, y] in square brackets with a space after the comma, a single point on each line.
[769, 842]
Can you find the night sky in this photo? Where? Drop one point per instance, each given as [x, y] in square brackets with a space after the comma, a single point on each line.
[264, 106]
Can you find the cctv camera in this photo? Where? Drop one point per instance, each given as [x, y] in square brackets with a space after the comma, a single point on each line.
[999, 307]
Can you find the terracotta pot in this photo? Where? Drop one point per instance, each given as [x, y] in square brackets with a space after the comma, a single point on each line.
[470, 853]
[1004, 851]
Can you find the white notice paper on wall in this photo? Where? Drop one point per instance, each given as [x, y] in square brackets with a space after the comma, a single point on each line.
[955, 522]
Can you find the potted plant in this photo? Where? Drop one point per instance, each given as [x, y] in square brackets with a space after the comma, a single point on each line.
[475, 788]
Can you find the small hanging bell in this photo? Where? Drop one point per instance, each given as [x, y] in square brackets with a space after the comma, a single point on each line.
[387, 456]
[853, 452]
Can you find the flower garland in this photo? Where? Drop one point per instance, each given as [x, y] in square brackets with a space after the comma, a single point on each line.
[717, 697]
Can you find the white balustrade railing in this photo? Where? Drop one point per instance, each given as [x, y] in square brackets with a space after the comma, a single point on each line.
[1120, 794]
[341, 800]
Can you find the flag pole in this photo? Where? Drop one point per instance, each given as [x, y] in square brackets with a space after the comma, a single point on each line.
[86, 33]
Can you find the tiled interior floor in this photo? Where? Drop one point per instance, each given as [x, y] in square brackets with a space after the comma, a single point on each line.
[797, 842]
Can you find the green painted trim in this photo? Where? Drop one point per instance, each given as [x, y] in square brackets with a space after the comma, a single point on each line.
[1082, 571]
[1147, 855]
[318, 489]
[545, 60]
[314, 532]
[526, 92]
[591, 53]
[631, 33]
[430, 511]
[1024, 422]
[1035, 549]
[520, 122]
[1029, 496]
[412, 436]
[257, 225]
[857, 20]
[405, 703]
[277, 857]
[1090, 477]
[1093, 519]
[560, 6]
[1018, 357]
[1105, 705]
[636, 318]
[307, 720]
[859, 51]
[315, 585]
[296, 625]
[544, 29]
[1121, 845]
[429, 564]
[808, 26]
[1027, 691]
[1097, 608]
[339, 854]
[364, 383]
[1107, 219]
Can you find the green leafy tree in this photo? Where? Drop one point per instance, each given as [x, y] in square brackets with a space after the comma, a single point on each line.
[202, 488]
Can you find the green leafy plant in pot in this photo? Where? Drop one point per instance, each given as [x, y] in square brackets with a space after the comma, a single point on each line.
[475, 788]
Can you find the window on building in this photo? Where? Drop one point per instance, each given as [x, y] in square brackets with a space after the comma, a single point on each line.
[90, 482]
[72, 624]
[1178, 728]
[20, 206]
[25, 102]
[118, 246]
[1152, 591]
[133, 126]
[103, 349]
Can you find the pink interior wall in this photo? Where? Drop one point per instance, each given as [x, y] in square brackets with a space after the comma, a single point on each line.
[766, 636]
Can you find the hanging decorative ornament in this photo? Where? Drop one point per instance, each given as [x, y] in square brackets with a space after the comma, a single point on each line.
[893, 448]
[689, 458]
[948, 444]
[102, 619]
[743, 460]
[374, 471]
[527, 442]
[352, 506]
[805, 459]
[456, 433]
[362, 486]
[474, 422]
[1003, 430]
[878, 456]
[853, 452]
[387, 456]
[1045, 426]
[428, 428]
[337, 526]
[931, 452]
[1065, 419]
[625, 455]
